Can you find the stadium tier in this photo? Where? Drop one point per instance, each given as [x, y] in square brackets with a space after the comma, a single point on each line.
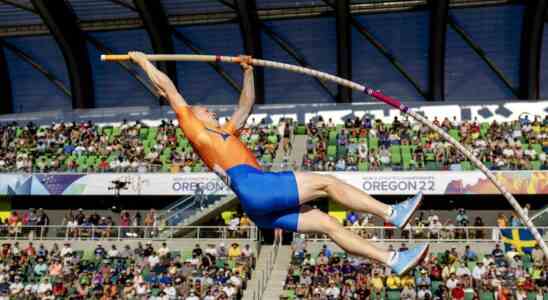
[360, 144]
[124, 271]
[451, 274]
[363, 144]
[135, 147]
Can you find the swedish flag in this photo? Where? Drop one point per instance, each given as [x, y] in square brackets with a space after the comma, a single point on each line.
[522, 239]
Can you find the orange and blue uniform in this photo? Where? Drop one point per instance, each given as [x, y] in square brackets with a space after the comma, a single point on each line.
[271, 199]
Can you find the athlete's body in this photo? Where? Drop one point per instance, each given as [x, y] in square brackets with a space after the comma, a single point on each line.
[278, 200]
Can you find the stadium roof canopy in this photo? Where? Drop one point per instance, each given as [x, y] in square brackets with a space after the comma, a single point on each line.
[71, 23]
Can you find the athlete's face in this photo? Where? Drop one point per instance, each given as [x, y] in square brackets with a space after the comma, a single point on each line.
[204, 115]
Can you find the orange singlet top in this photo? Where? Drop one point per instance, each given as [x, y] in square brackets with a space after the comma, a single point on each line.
[215, 146]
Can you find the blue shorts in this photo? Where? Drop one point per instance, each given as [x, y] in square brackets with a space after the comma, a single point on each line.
[271, 199]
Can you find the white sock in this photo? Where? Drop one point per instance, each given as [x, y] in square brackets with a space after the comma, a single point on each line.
[390, 210]
[393, 255]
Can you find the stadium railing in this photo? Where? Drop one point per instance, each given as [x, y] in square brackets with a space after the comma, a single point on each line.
[113, 233]
[454, 234]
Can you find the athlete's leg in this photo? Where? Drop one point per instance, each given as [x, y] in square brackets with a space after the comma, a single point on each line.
[313, 186]
[316, 221]
[306, 219]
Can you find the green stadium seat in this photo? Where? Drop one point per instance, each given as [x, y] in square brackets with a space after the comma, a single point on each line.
[116, 131]
[143, 133]
[332, 152]
[108, 130]
[300, 129]
[536, 165]
[454, 133]
[466, 165]
[407, 157]
[363, 166]
[88, 255]
[374, 295]
[531, 296]
[197, 167]
[332, 137]
[289, 294]
[486, 295]
[373, 143]
[152, 132]
[484, 127]
[395, 154]
[537, 148]
[435, 285]
[342, 151]
[267, 158]
[393, 295]
[468, 295]
[272, 139]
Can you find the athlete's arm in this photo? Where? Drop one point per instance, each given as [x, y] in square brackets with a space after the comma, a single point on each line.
[161, 82]
[247, 98]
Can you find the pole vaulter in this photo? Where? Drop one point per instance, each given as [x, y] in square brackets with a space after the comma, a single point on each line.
[279, 199]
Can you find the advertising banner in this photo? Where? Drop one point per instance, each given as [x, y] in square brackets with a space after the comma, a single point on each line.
[376, 183]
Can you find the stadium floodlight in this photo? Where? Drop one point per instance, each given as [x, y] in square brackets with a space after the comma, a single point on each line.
[369, 91]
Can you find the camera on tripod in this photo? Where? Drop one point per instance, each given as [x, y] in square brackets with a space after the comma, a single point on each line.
[118, 185]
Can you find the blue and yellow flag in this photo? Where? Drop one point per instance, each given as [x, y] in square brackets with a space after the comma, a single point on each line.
[522, 239]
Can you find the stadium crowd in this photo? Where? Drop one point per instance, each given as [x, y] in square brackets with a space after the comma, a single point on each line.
[366, 144]
[358, 144]
[444, 275]
[129, 147]
[144, 272]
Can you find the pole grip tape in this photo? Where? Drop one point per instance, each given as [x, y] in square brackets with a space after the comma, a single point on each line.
[387, 99]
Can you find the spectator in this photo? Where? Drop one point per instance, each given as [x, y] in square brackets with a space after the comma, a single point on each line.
[234, 251]
[424, 279]
[100, 252]
[326, 251]
[458, 292]
[377, 283]
[452, 281]
[469, 254]
[163, 251]
[424, 293]
[538, 256]
[497, 253]
[333, 291]
[393, 282]
[221, 250]
[233, 226]
[113, 252]
[408, 293]
[66, 250]
[478, 273]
